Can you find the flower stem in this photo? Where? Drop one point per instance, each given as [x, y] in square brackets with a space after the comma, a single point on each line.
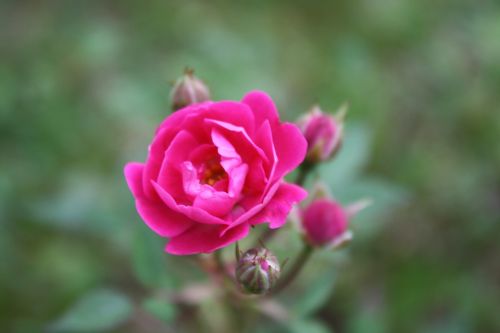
[303, 172]
[221, 268]
[292, 273]
[230, 300]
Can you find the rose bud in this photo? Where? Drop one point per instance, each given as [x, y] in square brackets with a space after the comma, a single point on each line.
[323, 133]
[325, 222]
[257, 271]
[188, 90]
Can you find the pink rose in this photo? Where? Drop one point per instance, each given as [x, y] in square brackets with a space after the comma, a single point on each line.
[214, 169]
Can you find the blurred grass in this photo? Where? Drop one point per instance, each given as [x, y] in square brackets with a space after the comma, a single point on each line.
[83, 83]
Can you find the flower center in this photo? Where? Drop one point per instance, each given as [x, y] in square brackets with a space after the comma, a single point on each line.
[212, 173]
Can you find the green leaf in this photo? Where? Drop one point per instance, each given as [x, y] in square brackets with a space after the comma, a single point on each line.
[367, 320]
[97, 311]
[351, 159]
[81, 202]
[309, 326]
[161, 309]
[451, 325]
[149, 258]
[315, 295]
[385, 198]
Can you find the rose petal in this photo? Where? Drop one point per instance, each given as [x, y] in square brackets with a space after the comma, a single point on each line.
[256, 179]
[180, 148]
[234, 113]
[237, 178]
[133, 175]
[156, 154]
[156, 215]
[169, 176]
[262, 106]
[161, 219]
[291, 147]
[202, 238]
[251, 206]
[190, 181]
[199, 155]
[176, 119]
[194, 213]
[206, 197]
[276, 211]
[229, 156]
[239, 137]
[214, 202]
[264, 138]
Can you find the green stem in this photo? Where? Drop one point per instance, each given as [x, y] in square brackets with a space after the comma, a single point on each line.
[294, 271]
[304, 170]
[221, 268]
[229, 297]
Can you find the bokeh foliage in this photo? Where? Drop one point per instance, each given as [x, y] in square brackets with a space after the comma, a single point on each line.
[83, 83]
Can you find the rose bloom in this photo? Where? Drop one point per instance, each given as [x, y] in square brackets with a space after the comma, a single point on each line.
[215, 169]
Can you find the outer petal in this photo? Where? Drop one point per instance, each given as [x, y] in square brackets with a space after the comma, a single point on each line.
[262, 106]
[291, 147]
[156, 154]
[202, 238]
[189, 120]
[235, 113]
[169, 176]
[251, 207]
[256, 179]
[276, 211]
[180, 148]
[176, 119]
[133, 175]
[264, 138]
[161, 219]
[156, 215]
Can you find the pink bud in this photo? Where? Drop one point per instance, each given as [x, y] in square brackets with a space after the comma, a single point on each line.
[323, 133]
[325, 223]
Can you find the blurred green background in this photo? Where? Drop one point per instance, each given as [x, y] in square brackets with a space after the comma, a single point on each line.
[84, 83]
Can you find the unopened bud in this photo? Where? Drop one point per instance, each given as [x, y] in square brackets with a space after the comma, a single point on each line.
[187, 90]
[257, 270]
[323, 133]
[325, 222]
